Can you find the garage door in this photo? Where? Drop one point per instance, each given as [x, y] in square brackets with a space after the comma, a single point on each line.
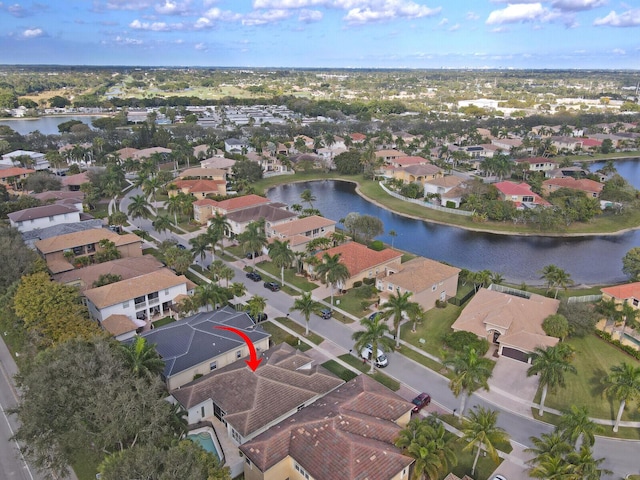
[515, 354]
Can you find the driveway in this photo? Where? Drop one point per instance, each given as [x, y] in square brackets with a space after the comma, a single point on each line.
[511, 385]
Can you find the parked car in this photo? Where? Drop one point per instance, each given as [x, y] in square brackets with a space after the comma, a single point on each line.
[273, 286]
[373, 316]
[420, 402]
[252, 255]
[255, 276]
[325, 313]
[381, 360]
[181, 247]
[499, 477]
[261, 317]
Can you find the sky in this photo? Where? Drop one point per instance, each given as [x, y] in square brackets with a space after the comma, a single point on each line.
[582, 34]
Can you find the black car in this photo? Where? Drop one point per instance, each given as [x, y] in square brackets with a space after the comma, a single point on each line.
[181, 247]
[255, 276]
[325, 313]
[252, 255]
[261, 317]
[273, 286]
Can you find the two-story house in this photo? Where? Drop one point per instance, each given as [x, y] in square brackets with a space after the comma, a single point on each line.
[13, 177]
[301, 231]
[520, 194]
[42, 217]
[207, 208]
[273, 214]
[590, 187]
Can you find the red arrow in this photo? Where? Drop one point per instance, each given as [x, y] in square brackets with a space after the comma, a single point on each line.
[255, 361]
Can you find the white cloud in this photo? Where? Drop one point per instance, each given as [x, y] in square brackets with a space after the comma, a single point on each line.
[200, 46]
[473, 16]
[577, 5]
[173, 8]
[310, 16]
[156, 26]
[618, 51]
[33, 33]
[454, 28]
[263, 18]
[286, 4]
[128, 41]
[630, 18]
[128, 4]
[443, 22]
[382, 10]
[17, 10]
[520, 12]
[214, 15]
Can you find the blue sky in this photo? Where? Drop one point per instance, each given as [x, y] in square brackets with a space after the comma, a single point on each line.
[323, 33]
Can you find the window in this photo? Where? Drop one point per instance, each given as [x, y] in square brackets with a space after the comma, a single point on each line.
[635, 302]
[239, 354]
[213, 365]
[527, 198]
[236, 436]
[202, 411]
[390, 287]
[51, 219]
[301, 470]
[166, 292]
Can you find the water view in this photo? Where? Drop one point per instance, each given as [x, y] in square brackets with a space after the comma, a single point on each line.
[591, 261]
[45, 125]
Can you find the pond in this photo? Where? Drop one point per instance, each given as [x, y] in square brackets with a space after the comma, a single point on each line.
[590, 260]
[45, 125]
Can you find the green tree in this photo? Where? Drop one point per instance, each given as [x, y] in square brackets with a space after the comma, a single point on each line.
[247, 170]
[585, 465]
[15, 257]
[253, 239]
[622, 383]
[281, 256]
[256, 305]
[576, 427]
[551, 364]
[139, 207]
[553, 467]
[306, 305]
[331, 271]
[175, 205]
[556, 326]
[199, 246]
[221, 226]
[106, 252]
[142, 358]
[118, 218]
[308, 197]
[552, 444]
[397, 306]
[374, 334]
[106, 279]
[481, 431]
[161, 223]
[556, 277]
[470, 372]
[348, 163]
[209, 294]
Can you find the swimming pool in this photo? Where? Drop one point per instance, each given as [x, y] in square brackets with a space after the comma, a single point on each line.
[205, 438]
[632, 339]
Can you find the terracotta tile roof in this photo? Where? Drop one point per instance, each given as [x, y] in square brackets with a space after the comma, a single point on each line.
[205, 202]
[85, 237]
[519, 189]
[203, 172]
[406, 161]
[422, 170]
[590, 142]
[390, 153]
[75, 180]
[238, 203]
[302, 225]
[623, 292]
[58, 195]
[118, 324]
[521, 318]
[15, 172]
[419, 274]
[584, 184]
[40, 212]
[119, 292]
[446, 181]
[348, 433]
[252, 400]
[200, 186]
[358, 257]
[147, 152]
[358, 137]
[127, 152]
[59, 265]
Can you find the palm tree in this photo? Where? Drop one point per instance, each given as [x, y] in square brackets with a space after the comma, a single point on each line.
[623, 383]
[256, 306]
[211, 294]
[397, 305]
[161, 223]
[482, 432]
[430, 444]
[609, 309]
[308, 197]
[306, 305]
[497, 278]
[393, 234]
[151, 185]
[416, 315]
[174, 206]
[142, 358]
[253, 239]
[219, 223]
[281, 255]
[553, 467]
[213, 237]
[199, 246]
[471, 371]
[139, 207]
[332, 271]
[556, 277]
[551, 364]
[576, 426]
[548, 445]
[628, 314]
[585, 466]
[374, 334]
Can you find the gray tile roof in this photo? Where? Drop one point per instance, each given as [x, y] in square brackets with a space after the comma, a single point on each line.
[40, 212]
[193, 340]
[62, 229]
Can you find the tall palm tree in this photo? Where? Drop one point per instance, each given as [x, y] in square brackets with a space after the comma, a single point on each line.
[139, 207]
[151, 185]
[219, 223]
[332, 271]
[213, 237]
[211, 294]
[629, 315]
[256, 305]
[551, 364]
[482, 432]
[142, 358]
[397, 305]
[253, 239]
[585, 465]
[161, 223]
[471, 371]
[174, 206]
[199, 246]
[306, 305]
[576, 426]
[623, 383]
[548, 445]
[416, 315]
[393, 234]
[609, 309]
[374, 334]
[553, 467]
[430, 444]
[281, 255]
[308, 197]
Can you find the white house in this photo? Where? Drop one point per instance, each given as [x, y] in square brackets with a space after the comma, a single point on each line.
[42, 217]
[235, 145]
[38, 159]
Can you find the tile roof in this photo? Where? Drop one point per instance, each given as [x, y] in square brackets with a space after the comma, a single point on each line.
[58, 195]
[534, 160]
[520, 317]
[85, 237]
[302, 225]
[348, 433]
[15, 172]
[448, 181]
[193, 340]
[583, 184]
[200, 186]
[127, 152]
[61, 229]
[623, 292]
[118, 324]
[269, 212]
[75, 180]
[358, 257]
[237, 203]
[203, 172]
[129, 289]
[390, 153]
[284, 380]
[406, 161]
[422, 170]
[40, 212]
[419, 274]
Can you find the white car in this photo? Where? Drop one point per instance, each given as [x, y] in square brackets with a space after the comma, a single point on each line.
[381, 359]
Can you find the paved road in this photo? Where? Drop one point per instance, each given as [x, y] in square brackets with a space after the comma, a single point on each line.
[621, 456]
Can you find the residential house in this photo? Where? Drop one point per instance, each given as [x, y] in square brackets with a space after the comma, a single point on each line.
[538, 164]
[14, 177]
[30, 238]
[146, 153]
[142, 298]
[441, 185]
[301, 231]
[389, 155]
[202, 173]
[357, 138]
[236, 146]
[194, 346]
[273, 214]
[347, 434]
[590, 187]
[56, 196]
[507, 144]
[41, 217]
[415, 173]
[72, 183]
[520, 194]
[361, 261]
[84, 244]
[563, 172]
[36, 160]
[220, 163]
[427, 280]
[407, 161]
[200, 189]
[629, 292]
[513, 323]
[205, 209]
[566, 143]
[250, 402]
[591, 144]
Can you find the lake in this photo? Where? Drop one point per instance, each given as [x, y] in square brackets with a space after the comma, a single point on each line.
[590, 260]
[45, 125]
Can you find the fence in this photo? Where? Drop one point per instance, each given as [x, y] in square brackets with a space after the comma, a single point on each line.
[457, 301]
[422, 203]
[584, 299]
[510, 291]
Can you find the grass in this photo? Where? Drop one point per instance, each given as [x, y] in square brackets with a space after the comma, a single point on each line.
[436, 324]
[163, 321]
[593, 359]
[279, 336]
[352, 303]
[378, 376]
[339, 371]
[85, 464]
[289, 276]
[422, 360]
[194, 278]
[299, 329]
[484, 469]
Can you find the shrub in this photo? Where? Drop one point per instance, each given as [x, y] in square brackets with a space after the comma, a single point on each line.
[556, 326]
[582, 318]
[441, 304]
[365, 291]
[377, 245]
[369, 281]
[357, 284]
[625, 348]
[458, 340]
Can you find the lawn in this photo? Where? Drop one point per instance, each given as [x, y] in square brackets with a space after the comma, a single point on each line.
[299, 329]
[339, 371]
[594, 357]
[484, 469]
[279, 336]
[289, 276]
[163, 321]
[437, 323]
[378, 376]
[352, 302]
[85, 464]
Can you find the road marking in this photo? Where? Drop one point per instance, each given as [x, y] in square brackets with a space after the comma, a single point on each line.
[5, 374]
[16, 442]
